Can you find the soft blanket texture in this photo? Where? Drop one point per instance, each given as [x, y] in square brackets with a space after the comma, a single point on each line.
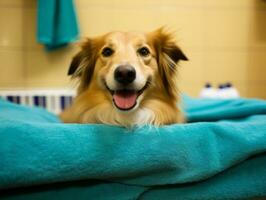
[219, 156]
[57, 23]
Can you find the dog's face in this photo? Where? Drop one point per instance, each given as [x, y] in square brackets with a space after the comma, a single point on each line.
[127, 66]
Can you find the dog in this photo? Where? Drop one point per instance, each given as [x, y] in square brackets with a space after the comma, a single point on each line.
[126, 79]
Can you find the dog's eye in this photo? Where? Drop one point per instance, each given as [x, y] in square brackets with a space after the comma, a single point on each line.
[143, 51]
[107, 52]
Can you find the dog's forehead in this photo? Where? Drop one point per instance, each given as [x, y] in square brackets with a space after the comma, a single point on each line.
[125, 37]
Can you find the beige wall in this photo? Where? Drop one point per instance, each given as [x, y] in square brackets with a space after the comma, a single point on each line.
[224, 39]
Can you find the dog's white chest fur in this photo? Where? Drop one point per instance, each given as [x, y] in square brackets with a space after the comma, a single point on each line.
[140, 116]
[144, 116]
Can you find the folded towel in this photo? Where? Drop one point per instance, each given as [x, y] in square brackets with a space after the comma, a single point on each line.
[57, 23]
[199, 109]
[224, 159]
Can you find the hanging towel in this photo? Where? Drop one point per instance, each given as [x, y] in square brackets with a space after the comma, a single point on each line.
[57, 23]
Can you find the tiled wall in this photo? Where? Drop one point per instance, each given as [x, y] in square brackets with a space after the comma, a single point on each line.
[224, 39]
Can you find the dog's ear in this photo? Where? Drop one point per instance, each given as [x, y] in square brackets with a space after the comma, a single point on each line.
[174, 52]
[75, 63]
[83, 63]
[81, 59]
[168, 54]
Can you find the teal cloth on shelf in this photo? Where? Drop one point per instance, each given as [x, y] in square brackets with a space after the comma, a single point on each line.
[57, 23]
[221, 156]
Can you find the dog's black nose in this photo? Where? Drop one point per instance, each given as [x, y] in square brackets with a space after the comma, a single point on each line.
[125, 74]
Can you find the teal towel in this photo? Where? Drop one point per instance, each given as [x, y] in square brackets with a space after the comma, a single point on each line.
[57, 23]
[218, 157]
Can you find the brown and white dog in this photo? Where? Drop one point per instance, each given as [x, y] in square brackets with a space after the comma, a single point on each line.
[126, 79]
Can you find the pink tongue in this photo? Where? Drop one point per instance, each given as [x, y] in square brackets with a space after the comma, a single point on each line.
[125, 100]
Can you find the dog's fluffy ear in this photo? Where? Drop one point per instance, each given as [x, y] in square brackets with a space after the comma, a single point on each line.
[168, 54]
[81, 59]
[83, 63]
[75, 64]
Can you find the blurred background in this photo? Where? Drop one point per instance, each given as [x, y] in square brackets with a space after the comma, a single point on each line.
[225, 40]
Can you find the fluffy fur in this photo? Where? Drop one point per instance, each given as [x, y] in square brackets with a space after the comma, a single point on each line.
[155, 81]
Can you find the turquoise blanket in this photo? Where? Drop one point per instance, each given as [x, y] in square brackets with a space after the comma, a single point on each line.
[221, 155]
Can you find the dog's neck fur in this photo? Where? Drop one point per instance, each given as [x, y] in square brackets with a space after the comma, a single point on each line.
[108, 115]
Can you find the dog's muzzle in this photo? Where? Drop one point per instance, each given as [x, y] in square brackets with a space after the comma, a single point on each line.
[125, 99]
[125, 96]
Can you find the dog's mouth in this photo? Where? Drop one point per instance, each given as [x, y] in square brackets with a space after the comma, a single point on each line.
[126, 99]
